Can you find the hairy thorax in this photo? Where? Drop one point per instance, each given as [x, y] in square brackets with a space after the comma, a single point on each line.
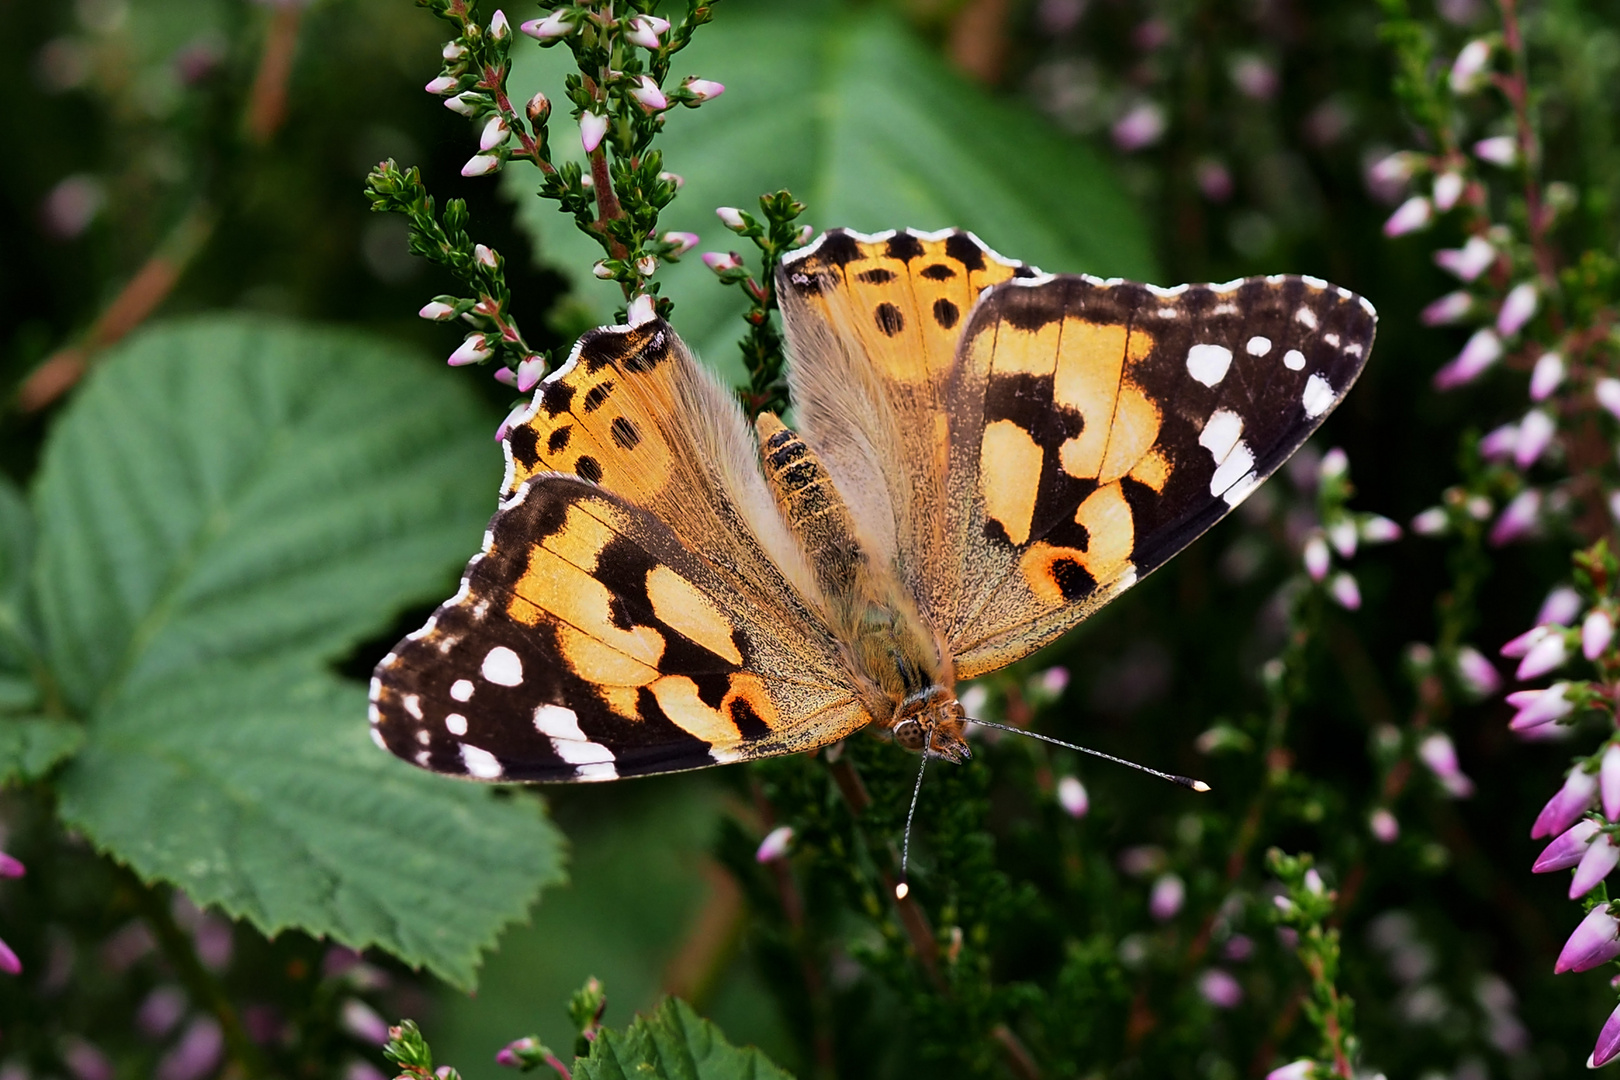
[898, 662]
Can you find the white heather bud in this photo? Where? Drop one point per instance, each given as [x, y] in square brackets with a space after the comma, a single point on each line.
[498, 28]
[1450, 308]
[1386, 830]
[1377, 529]
[1413, 214]
[1484, 348]
[673, 178]
[591, 130]
[641, 310]
[1596, 633]
[550, 28]
[1498, 150]
[495, 133]
[1469, 70]
[1431, 522]
[731, 218]
[453, 50]
[481, 165]
[484, 255]
[1468, 261]
[1071, 795]
[1448, 188]
[529, 372]
[465, 104]
[1335, 463]
[1547, 376]
[538, 108]
[646, 265]
[437, 310]
[648, 95]
[683, 241]
[602, 270]
[442, 85]
[805, 233]
[1345, 591]
[1536, 432]
[1397, 168]
[644, 31]
[720, 262]
[1518, 308]
[703, 89]
[1607, 392]
[1342, 535]
[1317, 557]
[471, 351]
[775, 845]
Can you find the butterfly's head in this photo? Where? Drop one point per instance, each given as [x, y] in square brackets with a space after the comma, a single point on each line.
[934, 720]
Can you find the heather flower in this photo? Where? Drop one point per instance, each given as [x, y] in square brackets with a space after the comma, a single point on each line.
[1448, 188]
[1499, 443]
[481, 165]
[1140, 127]
[1559, 608]
[1317, 557]
[1220, 989]
[1536, 431]
[1413, 214]
[1431, 522]
[471, 351]
[495, 133]
[549, 28]
[1601, 857]
[1394, 169]
[1607, 392]
[720, 262]
[1384, 826]
[647, 31]
[1166, 898]
[648, 95]
[1469, 71]
[1377, 529]
[1254, 78]
[1597, 630]
[1517, 521]
[1344, 590]
[442, 85]
[362, 1021]
[1608, 1042]
[775, 845]
[641, 310]
[1440, 755]
[1335, 463]
[1609, 782]
[529, 371]
[601, 270]
[1343, 536]
[682, 241]
[592, 128]
[512, 418]
[466, 104]
[1549, 652]
[1498, 150]
[1547, 376]
[8, 960]
[196, 1055]
[1518, 308]
[731, 218]
[1468, 261]
[160, 1011]
[1450, 308]
[538, 108]
[1302, 1069]
[505, 376]
[1071, 795]
[1567, 849]
[86, 1061]
[703, 89]
[1478, 675]
[1482, 350]
[1538, 707]
[437, 311]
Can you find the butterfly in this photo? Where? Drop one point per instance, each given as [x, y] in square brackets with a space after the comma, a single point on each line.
[984, 455]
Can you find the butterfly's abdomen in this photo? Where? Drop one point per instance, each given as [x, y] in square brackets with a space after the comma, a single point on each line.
[812, 506]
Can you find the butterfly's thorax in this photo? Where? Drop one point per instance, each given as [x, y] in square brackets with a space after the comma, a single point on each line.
[890, 648]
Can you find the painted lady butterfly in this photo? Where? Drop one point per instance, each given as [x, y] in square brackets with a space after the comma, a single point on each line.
[986, 454]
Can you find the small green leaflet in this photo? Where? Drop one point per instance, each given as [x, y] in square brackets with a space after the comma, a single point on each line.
[673, 1043]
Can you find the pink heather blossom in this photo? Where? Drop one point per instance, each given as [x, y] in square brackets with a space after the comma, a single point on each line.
[592, 128]
[1345, 592]
[1538, 707]
[1166, 898]
[464, 104]
[1548, 654]
[1608, 1042]
[1483, 349]
[1609, 782]
[1431, 522]
[362, 1021]
[1518, 308]
[1255, 78]
[481, 165]
[196, 1055]
[1498, 443]
[1498, 150]
[505, 376]
[1468, 261]
[1477, 674]
[1395, 169]
[437, 310]
[775, 845]
[805, 233]
[1317, 557]
[1536, 432]
[550, 28]
[1607, 392]
[1054, 680]
[1547, 376]
[508, 1055]
[731, 218]
[1342, 535]
[160, 1011]
[648, 95]
[1302, 1069]
[1238, 948]
[720, 262]
[1335, 463]
[529, 372]
[484, 256]
[1469, 71]
[471, 351]
[1071, 795]
[1214, 180]
[513, 418]
[1596, 633]
[442, 85]
[1440, 755]
[495, 133]
[1601, 857]
[647, 31]
[1560, 607]
[1220, 989]
[641, 310]
[683, 241]
[453, 50]
[1517, 521]
[1448, 188]
[1383, 825]
[1450, 308]
[1140, 127]
[363, 1070]
[1517, 648]
[498, 27]
[1567, 849]
[673, 178]
[8, 960]
[1595, 941]
[86, 1061]
[1377, 529]
[1413, 214]
[703, 89]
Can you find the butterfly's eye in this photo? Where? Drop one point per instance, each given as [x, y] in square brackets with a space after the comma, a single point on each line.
[909, 733]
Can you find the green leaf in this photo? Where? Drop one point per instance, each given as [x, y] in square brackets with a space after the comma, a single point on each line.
[865, 125]
[260, 792]
[227, 507]
[673, 1043]
[30, 747]
[17, 632]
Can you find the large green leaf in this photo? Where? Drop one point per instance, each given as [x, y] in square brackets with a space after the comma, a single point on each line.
[226, 507]
[31, 746]
[672, 1043]
[871, 130]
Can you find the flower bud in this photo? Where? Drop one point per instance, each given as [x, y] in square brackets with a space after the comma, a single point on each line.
[1345, 592]
[1536, 431]
[436, 310]
[1431, 522]
[550, 28]
[1596, 633]
[529, 372]
[538, 110]
[484, 256]
[453, 50]
[1538, 707]
[1396, 168]
[1335, 463]
[1412, 215]
[466, 104]
[1568, 849]
[1607, 392]
[720, 262]
[1382, 824]
[703, 89]
[1317, 557]
[495, 133]
[362, 1021]
[1498, 150]
[1469, 261]
[1547, 654]
[1303, 1069]
[498, 28]
[1601, 857]
[602, 270]
[1518, 308]
[1483, 349]
[1608, 1042]
[645, 31]
[592, 128]
[683, 241]
[1547, 376]
[1142, 125]
[471, 351]
[1166, 898]
[442, 85]
[647, 265]
[641, 310]
[481, 165]
[1498, 443]
[1595, 941]
[1220, 989]
[673, 178]
[1560, 607]
[1440, 755]
[8, 960]
[1609, 782]
[505, 376]
[1342, 534]
[731, 218]
[648, 95]
[1450, 308]
[1448, 188]
[1071, 795]
[805, 233]
[775, 845]
[513, 418]
[1478, 675]
[1470, 70]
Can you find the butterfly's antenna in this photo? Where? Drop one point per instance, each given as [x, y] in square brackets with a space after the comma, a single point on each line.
[903, 888]
[1184, 781]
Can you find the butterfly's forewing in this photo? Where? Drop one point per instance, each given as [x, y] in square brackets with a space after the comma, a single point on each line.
[635, 608]
[1099, 427]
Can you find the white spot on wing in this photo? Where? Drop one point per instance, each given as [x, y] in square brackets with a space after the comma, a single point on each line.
[596, 770]
[1208, 363]
[502, 666]
[1313, 282]
[1221, 433]
[374, 714]
[376, 737]
[1317, 397]
[1224, 309]
[413, 705]
[581, 753]
[558, 722]
[423, 757]
[1331, 339]
[462, 689]
[1239, 462]
[480, 763]
[456, 724]
[1353, 349]
[424, 736]
[1242, 489]
[1294, 360]
[1306, 316]
[1258, 346]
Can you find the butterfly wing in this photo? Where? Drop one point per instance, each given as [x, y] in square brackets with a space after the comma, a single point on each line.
[638, 607]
